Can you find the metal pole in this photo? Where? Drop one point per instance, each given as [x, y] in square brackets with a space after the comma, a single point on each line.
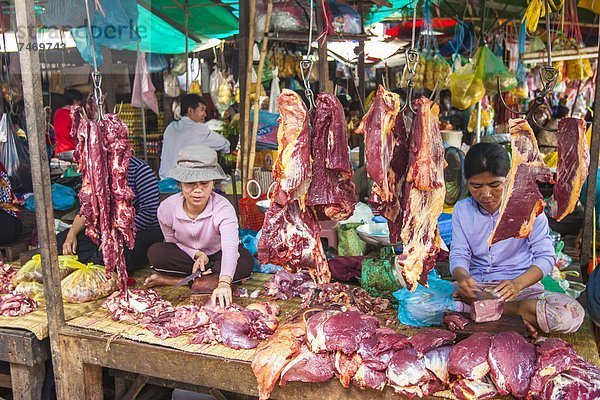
[590, 195]
[139, 73]
[361, 85]
[478, 128]
[44, 214]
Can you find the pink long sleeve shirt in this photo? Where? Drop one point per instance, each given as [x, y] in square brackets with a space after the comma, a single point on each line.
[213, 230]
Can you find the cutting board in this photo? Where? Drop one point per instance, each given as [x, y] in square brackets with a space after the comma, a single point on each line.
[504, 324]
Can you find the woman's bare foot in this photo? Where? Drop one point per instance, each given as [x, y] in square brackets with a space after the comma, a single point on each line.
[161, 280]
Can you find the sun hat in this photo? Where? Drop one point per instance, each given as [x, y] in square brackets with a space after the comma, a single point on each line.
[197, 163]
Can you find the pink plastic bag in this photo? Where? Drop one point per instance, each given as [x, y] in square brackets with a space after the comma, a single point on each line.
[143, 77]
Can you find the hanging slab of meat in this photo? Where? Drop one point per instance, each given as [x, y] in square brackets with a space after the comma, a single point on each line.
[428, 339]
[469, 357]
[274, 354]
[346, 366]
[7, 275]
[331, 191]
[308, 367]
[487, 310]
[573, 164]
[16, 305]
[554, 356]
[436, 361]
[377, 126]
[522, 201]
[455, 322]
[512, 363]
[290, 238]
[292, 170]
[423, 197]
[466, 389]
[344, 331]
[102, 154]
[368, 378]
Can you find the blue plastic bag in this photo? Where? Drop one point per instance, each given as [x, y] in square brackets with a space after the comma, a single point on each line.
[426, 306]
[63, 198]
[168, 185]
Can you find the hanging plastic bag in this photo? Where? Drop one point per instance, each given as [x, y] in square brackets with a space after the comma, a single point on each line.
[344, 19]
[144, 93]
[216, 80]
[179, 65]
[426, 306]
[14, 155]
[250, 216]
[172, 88]
[466, 86]
[275, 92]
[494, 69]
[87, 283]
[156, 62]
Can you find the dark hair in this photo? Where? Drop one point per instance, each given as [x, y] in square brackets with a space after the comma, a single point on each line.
[561, 112]
[72, 95]
[486, 157]
[190, 102]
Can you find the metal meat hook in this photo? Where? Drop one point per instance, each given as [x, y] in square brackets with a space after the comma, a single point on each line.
[548, 76]
[412, 59]
[306, 66]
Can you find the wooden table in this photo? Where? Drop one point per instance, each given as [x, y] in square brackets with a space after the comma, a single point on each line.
[85, 353]
[27, 357]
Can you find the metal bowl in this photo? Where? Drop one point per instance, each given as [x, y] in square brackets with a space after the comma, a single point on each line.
[263, 205]
[375, 233]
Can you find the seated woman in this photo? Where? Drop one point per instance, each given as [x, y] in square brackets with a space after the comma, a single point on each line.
[200, 229]
[9, 212]
[144, 185]
[513, 267]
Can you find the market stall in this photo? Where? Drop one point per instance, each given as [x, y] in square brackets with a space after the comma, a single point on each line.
[335, 331]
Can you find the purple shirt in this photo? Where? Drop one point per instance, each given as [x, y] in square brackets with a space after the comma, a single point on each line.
[507, 259]
[213, 230]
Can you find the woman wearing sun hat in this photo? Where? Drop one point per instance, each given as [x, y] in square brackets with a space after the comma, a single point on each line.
[200, 229]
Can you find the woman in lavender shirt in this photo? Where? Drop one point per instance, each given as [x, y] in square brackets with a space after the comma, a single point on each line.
[510, 269]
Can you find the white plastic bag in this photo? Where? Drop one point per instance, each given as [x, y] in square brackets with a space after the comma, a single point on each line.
[216, 80]
[275, 92]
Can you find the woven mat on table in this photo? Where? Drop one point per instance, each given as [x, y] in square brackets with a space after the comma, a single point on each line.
[100, 320]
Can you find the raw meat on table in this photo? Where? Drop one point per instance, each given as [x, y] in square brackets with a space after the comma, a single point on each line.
[469, 358]
[138, 306]
[184, 319]
[573, 164]
[16, 305]
[315, 335]
[308, 367]
[487, 310]
[290, 238]
[346, 366]
[512, 362]
[366, 377]
[331, 191]
[344, 295]
[377, 350]
[580, 382]
[345, 331]
[428, 339]
[285, 285]
[7, 274]
[466, 389]
[455, 322]
[522, 201]
[423, 197]
[407, 372]
[436, 361]
[274, 354]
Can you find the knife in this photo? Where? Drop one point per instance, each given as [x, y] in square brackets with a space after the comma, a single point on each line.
[193, 276]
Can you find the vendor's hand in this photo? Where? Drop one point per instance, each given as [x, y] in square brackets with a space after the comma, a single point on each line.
[222, 294]
[507, 290]
[466, 289]
[201, 260]
[70, 245]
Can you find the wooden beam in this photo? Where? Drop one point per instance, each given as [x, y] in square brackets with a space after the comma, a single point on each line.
[32, 93]
[27, 382]
[590, 195]
[135, 388]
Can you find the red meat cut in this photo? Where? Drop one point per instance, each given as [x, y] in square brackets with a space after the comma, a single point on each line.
[377, 350]
[429, 339]
[423, 196]
[315, 335]
[512, 363]
[580, 382]
[523, 201]
[487, 310]
[455, 322]
[308, 367]
[436, 361]
[366, 377]
[469, 357]
[466, 389]
[573, 164]
[406, 373]
[346, 366]
[331, 192]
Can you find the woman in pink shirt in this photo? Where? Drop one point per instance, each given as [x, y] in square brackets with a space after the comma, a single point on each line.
[200, 229]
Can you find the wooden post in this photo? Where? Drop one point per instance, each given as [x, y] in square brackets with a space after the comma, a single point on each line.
[245, 93]
[590, 195]
[324, 85]
[32, 93]
[361, 85]
[243, 72]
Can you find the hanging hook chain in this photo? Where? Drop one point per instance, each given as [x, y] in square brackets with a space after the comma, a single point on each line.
[96, 75]
[306, 66]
